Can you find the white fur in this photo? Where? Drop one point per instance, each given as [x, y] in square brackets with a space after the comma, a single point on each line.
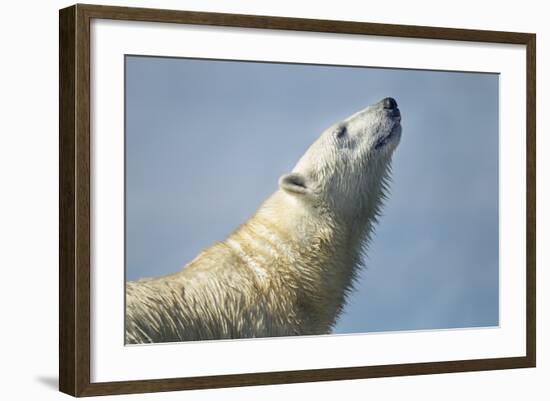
[288, 269]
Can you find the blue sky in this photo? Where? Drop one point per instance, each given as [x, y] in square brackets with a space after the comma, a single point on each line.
[206, 142]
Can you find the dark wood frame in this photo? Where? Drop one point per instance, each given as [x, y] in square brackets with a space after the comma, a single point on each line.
[74, 199]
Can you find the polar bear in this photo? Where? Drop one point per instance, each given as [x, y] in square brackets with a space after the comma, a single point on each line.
[288, 269]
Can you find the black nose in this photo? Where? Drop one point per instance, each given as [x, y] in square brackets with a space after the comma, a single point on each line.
[390, 103]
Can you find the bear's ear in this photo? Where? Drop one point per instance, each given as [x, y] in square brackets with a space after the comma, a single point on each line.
[294, 183]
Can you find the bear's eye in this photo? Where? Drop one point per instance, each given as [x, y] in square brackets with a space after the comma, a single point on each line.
[341, 131]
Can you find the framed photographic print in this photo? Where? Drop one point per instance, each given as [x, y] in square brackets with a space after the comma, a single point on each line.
[251, 200]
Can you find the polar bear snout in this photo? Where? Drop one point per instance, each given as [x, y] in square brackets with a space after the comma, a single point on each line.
[390, 106]
[389, 103]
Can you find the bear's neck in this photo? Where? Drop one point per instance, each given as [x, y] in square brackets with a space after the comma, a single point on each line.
[317, 256]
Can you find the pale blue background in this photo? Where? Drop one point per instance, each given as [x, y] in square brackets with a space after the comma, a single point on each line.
[207, 140]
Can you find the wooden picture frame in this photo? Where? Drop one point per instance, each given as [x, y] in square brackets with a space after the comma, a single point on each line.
[74, 199]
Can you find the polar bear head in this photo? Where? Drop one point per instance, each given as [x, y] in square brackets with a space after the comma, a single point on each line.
[346, 168]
